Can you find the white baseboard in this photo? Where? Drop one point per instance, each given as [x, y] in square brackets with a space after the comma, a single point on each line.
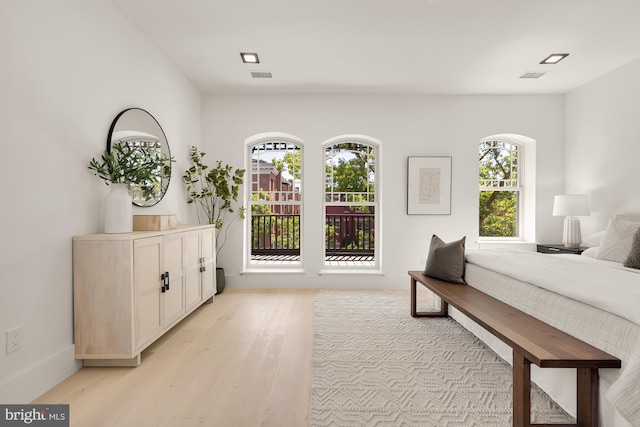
[329, 280]
[28, 385]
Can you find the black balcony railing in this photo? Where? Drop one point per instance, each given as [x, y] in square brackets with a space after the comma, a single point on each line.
[345, 234]
[275, 234]
[349, 234]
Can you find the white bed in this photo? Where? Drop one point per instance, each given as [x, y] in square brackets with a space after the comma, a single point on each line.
[595, 300]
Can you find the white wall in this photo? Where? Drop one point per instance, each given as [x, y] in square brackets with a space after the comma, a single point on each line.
[68, 67]
[602, 144]
[407, 126]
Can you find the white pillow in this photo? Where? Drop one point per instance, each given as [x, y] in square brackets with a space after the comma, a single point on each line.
[593, 239]
[591, 252]
[618, 239]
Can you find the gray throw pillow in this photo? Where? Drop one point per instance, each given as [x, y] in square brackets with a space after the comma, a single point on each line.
[633, 260]
[446, 260]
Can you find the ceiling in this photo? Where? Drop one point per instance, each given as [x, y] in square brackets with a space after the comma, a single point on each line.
[390, 47]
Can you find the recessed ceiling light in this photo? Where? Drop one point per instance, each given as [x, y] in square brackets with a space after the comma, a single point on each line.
[532, 75]
[554, 58]
[249, 58]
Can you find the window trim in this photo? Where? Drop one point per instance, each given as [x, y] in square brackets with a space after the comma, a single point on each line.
[527, 188]
[377, 146]
[250, 142]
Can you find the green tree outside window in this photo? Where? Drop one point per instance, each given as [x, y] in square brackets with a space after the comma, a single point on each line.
[499, 189]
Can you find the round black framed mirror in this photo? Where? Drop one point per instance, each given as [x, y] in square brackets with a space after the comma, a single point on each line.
[138, 129]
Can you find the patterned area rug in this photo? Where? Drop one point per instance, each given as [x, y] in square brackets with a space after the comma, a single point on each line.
[375, 365]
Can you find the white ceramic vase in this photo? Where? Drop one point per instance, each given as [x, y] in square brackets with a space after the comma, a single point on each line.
[118, 210]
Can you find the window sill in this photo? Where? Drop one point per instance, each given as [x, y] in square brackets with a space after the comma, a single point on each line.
[351, 271]
[272, 271]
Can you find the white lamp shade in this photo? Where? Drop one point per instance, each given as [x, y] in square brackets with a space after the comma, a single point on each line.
[571, 205]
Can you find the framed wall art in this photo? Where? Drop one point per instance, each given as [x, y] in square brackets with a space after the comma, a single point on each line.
[429, 186]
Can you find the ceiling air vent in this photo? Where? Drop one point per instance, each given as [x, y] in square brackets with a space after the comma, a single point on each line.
[261, 74]
[532, 75]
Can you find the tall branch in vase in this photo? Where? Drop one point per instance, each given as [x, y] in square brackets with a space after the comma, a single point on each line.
[214, 191]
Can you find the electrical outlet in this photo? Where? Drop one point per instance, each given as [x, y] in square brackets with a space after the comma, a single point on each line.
[14, 339]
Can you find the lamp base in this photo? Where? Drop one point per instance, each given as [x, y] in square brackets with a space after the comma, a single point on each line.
[571, 236]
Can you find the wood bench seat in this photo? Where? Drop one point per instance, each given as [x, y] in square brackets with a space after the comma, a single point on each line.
[532, 341]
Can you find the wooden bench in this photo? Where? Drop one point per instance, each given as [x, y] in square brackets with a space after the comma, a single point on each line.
[532, 341]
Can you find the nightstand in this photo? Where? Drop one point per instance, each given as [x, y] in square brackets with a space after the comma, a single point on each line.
[558, 249]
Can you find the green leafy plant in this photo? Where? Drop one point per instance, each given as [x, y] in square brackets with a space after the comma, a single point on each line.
[130, 164]
[214, 191]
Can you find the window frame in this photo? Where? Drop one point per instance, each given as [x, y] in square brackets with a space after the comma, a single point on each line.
[376, 146]
[275, 267]
[527, 188]
[518, 188]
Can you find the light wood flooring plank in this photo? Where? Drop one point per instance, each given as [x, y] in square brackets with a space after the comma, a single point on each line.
[243, 361]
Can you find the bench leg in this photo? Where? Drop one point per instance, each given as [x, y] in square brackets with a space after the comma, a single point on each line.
[588, 383]
[588, 387]
[521, 391]
[444, 306]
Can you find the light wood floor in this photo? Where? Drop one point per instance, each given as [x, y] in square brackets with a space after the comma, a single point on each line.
[244, 361]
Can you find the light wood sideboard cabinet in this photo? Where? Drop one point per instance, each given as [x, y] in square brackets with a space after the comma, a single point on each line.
[130, 288]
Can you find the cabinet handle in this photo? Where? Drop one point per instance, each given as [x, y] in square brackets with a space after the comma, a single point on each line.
[203, 268]
[162, 277]
[166, 278]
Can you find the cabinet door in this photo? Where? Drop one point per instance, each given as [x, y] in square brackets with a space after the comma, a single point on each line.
[174, 259]
[147, 261]
[193, 287]
[208, 252]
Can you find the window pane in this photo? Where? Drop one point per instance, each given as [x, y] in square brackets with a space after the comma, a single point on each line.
[349, 173]
[350, 205]
[499, 213]
[276, 203]
[350, 235]
[273, 233]
[350, 229]
[499, 169]
[498, 164]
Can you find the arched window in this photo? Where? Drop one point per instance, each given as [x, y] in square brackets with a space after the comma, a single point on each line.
[507, 195]
[274, 201]
[352, 203]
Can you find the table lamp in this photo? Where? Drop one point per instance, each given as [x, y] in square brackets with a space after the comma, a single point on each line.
[570, 206]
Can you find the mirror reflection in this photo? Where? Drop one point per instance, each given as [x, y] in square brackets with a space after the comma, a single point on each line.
[140, 131]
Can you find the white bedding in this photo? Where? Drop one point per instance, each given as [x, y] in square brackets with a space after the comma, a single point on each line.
[603, 299]
[603, 284]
